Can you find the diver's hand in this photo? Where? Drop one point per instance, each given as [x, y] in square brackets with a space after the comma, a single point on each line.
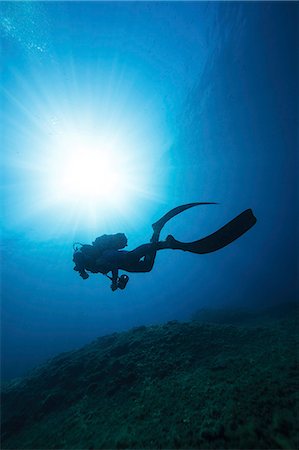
[84, 275]
[113, 286]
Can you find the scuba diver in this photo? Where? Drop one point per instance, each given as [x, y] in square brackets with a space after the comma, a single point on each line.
[106, 253]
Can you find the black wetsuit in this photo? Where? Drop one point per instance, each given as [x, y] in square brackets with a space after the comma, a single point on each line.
[100, 260]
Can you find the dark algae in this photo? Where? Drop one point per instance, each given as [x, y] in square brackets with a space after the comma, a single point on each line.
[218, 381]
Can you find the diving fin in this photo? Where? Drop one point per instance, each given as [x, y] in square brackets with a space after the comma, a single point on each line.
[221, 238]
[157, 226]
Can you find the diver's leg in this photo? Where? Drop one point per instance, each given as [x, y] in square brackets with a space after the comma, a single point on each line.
[157, 226]
[149, 252]
[146, 251]
[142, 258]
[133, 262]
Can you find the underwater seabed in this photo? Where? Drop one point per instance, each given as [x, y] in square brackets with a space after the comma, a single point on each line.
[225, 380]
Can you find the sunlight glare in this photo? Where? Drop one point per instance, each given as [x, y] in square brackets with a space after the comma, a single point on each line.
[87, 168]
[82, 161]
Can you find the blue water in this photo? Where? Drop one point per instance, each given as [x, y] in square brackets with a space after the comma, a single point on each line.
[205, 95]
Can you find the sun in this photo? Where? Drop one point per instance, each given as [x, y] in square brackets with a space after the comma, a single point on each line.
[90, 177]
[90, 168]
[83, 162]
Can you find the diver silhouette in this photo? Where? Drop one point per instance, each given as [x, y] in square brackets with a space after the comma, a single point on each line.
[106, 253]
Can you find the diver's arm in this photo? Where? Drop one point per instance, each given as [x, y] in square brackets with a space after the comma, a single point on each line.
[114, 279]
[84, 275]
